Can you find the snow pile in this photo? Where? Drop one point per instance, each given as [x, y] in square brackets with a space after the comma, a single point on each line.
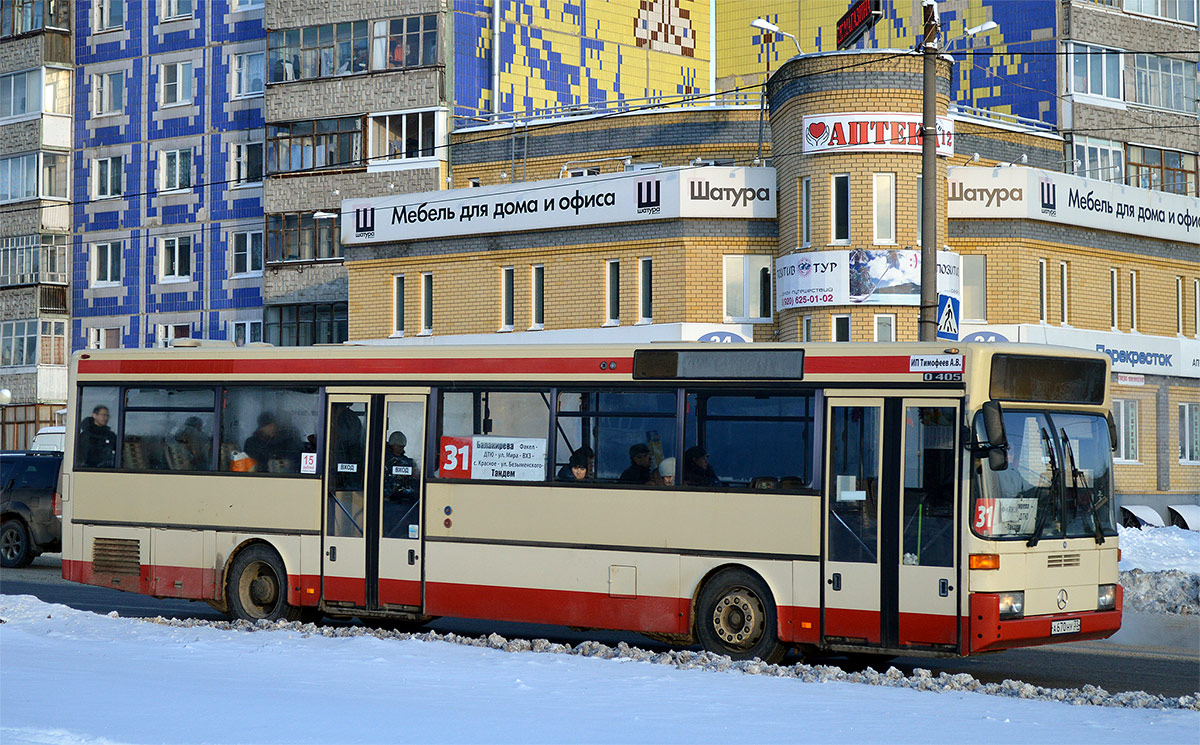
[1160, 569]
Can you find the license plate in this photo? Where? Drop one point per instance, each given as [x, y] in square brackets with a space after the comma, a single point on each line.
[1066, 626]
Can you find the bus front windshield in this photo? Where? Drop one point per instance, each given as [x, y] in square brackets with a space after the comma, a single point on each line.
[1058, 483]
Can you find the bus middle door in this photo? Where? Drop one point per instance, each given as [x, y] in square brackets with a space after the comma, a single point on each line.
[344, 560]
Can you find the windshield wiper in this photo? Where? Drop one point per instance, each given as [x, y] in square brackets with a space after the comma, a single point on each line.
[1043, 510]
[1076, 474]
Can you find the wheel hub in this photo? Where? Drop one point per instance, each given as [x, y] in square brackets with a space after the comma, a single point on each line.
[10, 544]
[263, 590]
[739, 619]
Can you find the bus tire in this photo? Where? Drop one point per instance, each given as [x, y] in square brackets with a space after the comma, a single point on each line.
[16, 550]
[735, 616]
[257, 587]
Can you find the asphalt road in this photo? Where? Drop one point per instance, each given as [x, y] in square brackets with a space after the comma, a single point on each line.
[1154, 653]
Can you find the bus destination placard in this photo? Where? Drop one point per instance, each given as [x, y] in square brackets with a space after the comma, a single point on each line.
[488, 458]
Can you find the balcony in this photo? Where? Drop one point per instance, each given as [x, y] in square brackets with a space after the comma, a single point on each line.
[35, 260]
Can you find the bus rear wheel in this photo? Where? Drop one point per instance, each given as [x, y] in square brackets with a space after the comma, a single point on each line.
[735, 616]
[257, 587]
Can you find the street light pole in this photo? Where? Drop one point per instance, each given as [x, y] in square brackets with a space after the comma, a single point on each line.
[927, 322]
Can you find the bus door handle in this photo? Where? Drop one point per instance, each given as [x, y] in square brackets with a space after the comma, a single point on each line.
[944, 588]
[836, 581]
[332, 553]
[412, 556]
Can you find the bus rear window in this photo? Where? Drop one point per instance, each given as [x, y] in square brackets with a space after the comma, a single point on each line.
[1021, 377]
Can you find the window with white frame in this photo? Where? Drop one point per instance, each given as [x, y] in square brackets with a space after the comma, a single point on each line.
[806, 328]
[105, 338]
[1196, 308]
[747, 288]
[106, 263]
[109, 92]
[1113, 296]
[18, 177]
[1189, 433]
[1179, 305]
[248, 74]
[398, 305]
[248, 252]
[247, 163]
[52, 346]
[173, 9]
[1062, 291]
[840, 214]
[1100, 159]
[1133, 301]
[404, 136]
[1176, 10]
[176, 169]
[974, 287]
[165, 333]
[20, 93]
[247, 4]
[1165, 82]
[54, 175]
[537, 290]
[175, 83]
[18, 343]
[1125, 416]
[840, 328]
[427, 303]
[885, 327]
[507, 281]
[1042, 290]
[176, 257]
[108, 178]
[645, 291]
[1095, 71]
[110, 14]
[612, 293]
[885, 207]
[247, 332]
[806, 206]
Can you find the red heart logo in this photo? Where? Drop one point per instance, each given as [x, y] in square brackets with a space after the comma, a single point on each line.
[816, 129]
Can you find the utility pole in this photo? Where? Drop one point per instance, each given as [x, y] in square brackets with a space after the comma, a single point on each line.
[927, 322]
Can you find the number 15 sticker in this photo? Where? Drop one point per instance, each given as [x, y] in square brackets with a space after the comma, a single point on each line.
[308, 462]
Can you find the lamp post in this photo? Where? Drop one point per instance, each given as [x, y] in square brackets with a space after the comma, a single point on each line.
[765, 25]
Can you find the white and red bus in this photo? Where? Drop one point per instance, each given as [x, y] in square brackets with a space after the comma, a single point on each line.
[918, 499]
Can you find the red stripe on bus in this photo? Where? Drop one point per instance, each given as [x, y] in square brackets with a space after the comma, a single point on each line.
[184, 365]
[853, 624]
[346, 589]
[926, 629]
[856, 365]
[399, 591]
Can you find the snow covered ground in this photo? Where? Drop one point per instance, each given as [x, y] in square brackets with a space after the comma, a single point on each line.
[75, 677]
[1160, 570]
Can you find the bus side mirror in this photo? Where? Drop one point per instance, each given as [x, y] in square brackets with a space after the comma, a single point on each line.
[1112, 431]
[993, 426]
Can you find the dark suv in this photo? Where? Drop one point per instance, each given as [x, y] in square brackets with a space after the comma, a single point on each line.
[29, 507]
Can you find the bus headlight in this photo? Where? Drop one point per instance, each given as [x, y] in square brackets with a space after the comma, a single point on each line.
[1012, 605]
[1108, 597]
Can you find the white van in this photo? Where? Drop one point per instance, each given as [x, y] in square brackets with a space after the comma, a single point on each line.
[49, 438]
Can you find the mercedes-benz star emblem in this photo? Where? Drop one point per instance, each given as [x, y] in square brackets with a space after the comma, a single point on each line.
[1062, 599]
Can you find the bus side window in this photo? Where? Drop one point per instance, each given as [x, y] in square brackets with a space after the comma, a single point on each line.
[95, 435]
[493, 435]
[265, 430]
[167, 429]
[612, 433]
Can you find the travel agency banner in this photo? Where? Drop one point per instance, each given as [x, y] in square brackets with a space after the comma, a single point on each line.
[658, 194]
[858, 277]
[1033, 194]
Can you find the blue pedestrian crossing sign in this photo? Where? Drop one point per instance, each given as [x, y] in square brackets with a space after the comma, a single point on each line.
[947, 317]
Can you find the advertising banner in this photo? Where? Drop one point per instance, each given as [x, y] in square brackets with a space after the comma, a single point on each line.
[658, 194]
[858, 277]
[880, 132]
[1033, 194]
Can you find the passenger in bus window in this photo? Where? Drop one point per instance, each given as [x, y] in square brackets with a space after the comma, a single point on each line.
[197, 445]
[401, 484]
[97, 443]
[664, 475]
[696, 469]
[270, 446]
[639, 470]
[585, 456]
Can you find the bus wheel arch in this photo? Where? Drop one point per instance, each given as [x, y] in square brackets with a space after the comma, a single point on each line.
[734, 613]
[255, 584]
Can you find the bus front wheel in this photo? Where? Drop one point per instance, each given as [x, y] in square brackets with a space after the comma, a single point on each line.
[735, 616]
[257, 587]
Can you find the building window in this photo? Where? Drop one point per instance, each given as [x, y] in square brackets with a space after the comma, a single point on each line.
[747, 288]
[1125, 416]
[1165, 170]
[612, 293]
[1179, 305]
[427, 303]
[1042, 290]
[18, 178]
[885, 327]
[645, 291]
[247, 4]
[173, 9]
[176, 83]
[33, 259]
[22, 16]
[841, 208]
[176, 169]
[404, 42]
[54, 175]
[106, 263]
[20, 93]
[1100, 159]
[885, 207]
[1176, 10]
[110, 14]
[248, 74]
[324, 143]
[806, 329]
[507, 275]
[1189, 433]
[305, 325]
[53, 343]
[1062, 291]
[247, 332]
[247, 163]
[318, 51]
[1165, 83]
[109, 177]
[18, 343]
[248, 252]
[165, 333]
[974, 287]
[104, 338]
[1095, 71]
[406, 136]
[806, 206]
[1133, 301]
[300, 236]
[577, 172]
[1196, 308]
[537, 279]
[398, 305]
[177, 258]
[1112, 296]
[841, 328]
